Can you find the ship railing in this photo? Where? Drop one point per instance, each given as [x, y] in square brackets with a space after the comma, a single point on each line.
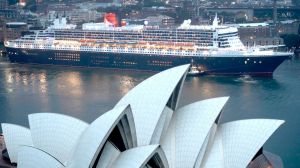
[108, 49]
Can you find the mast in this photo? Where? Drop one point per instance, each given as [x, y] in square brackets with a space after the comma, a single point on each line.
[215, 34]
[215, 22]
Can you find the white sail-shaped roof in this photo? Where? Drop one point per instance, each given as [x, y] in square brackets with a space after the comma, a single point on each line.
[139, 156]
[149, 98]
[206, 145]
[189, 129]
[56, 134]
[15, 136]
[236, 143]
[108, 156]
[162, 125]
[95, 136]
[30, 157]
[214, 156]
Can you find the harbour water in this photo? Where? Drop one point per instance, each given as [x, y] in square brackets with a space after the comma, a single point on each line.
[86, 93]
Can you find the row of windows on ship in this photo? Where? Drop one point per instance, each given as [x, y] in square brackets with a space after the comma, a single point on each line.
[129, 32]
[128, 35]
[89, 46]
[97, 47]
[131, 63]
[189, 53]
[133, 39]
[138, 38]
[134, 34]
[160, 37]
[73, 57]
[66, 57]
[146, 51]
[113, 34]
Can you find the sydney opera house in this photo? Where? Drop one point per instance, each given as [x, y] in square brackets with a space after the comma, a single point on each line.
[145, 129]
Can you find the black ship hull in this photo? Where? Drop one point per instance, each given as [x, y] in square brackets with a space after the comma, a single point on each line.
[223, 65]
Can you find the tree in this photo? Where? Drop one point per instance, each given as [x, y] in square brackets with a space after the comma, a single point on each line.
[296, 2]
[11, 2]
[149, 3]
[291, 40]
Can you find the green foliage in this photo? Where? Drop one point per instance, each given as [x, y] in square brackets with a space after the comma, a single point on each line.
[181, 15]
[291, 40]
[263, 14]
[149, 3]
[296, 2]
[11, 2]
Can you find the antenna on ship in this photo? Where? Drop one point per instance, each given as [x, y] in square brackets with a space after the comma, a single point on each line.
[215, 22]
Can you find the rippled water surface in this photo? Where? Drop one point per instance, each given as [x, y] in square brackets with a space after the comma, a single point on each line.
[86, 93]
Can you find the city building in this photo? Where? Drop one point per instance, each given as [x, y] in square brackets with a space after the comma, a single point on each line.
[82, 16]
[14, 30]
[74, 14]
[2, 25]
[3, 4]
[285, 3]
[146, 128]
[263, 41]
[177, 3]
[252, 34]
[10, 14]
[39, 1]
[129, 2]
[160, 20]
[253, 30]
[59, 7]
[158, 10]
[288, 27]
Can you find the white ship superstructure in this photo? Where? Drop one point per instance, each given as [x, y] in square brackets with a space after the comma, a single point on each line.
[190, 41]
[186, 40]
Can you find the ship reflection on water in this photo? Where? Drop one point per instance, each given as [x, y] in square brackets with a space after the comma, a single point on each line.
[127, 82]
[72, 91]
[24, 80]
[43, 82]
[70, 82]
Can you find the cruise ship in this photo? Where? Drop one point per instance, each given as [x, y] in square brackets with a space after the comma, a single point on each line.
[210, 49]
